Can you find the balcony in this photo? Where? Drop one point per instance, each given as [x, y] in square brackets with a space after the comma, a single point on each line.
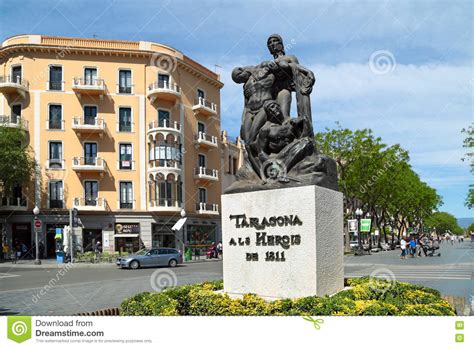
[14, 121]
[205, 140]
[203, 107]
[55, 163]
[204, 208]
[164, 166]
[206, 174]
[165, 205]
[89, 125]
[94, 204]
[89, 165]
[13, 203]
[163, 90]
[165, 127]
[14, 85]
[88, 86]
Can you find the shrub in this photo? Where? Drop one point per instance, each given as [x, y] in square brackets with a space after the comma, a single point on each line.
[365, 297]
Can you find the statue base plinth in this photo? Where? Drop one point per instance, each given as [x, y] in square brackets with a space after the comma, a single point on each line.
[288, 245]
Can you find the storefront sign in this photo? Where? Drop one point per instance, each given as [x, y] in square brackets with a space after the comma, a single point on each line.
[127, 228]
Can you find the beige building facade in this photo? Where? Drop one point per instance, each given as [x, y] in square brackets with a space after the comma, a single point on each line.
[128, 133]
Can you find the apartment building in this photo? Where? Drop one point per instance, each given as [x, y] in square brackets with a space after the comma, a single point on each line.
[128, 133]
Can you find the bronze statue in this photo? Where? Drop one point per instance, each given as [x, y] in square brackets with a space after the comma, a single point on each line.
[279, 150]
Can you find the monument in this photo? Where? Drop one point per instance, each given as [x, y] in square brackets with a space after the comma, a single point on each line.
[282, 218]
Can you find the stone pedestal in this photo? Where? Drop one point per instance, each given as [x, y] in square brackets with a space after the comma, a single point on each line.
[283, 243]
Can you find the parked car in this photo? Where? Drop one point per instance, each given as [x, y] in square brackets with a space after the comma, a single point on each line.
[151, 257]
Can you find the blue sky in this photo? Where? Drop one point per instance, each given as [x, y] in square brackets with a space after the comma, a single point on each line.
[421, 99]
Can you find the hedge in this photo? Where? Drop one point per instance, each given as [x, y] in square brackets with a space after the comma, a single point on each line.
[365, 296]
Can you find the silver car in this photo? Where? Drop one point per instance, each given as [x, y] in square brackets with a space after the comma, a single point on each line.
[151, 257]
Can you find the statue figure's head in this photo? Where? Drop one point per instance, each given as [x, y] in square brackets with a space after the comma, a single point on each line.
[273, 111]
[275, 45]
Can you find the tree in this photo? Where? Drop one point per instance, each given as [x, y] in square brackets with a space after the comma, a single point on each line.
[444, 222]
[469, 156]
[17, 165]
[378, 178]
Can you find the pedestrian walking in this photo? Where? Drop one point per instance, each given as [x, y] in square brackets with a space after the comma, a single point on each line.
[403, 247]
[6, 251]
[412, 247]
[98, 250]
[219, 249]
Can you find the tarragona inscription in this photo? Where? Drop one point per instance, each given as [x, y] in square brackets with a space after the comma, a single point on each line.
[263, 238]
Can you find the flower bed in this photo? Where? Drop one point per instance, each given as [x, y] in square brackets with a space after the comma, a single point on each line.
[367, 296]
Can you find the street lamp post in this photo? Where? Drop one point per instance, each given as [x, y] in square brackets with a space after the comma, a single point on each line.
[369, 235]
[359, 213]
[382, 227]
[392, 225]
[36, 212]
[183, 215]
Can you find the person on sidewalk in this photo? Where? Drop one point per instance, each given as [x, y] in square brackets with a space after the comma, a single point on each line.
[403, 247]
[412, 247]
[98, 250]
[219, 249]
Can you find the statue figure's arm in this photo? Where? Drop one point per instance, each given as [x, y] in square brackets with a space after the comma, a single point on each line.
[303, 78]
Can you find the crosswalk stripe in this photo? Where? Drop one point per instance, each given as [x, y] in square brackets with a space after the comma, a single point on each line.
[8, 275]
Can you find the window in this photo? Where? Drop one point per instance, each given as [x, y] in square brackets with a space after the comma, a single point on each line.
[91, 192]
[126, 195]
[125, 160]
[125, 81]
[56, 194]
[55, 117]
[201, 127]
[201, 160]
[55, 155]
[55, 78]
[90, 154]
[230, 164]
[163, 81]
[165, 193]
[125, 119]
[16, 74]
[202, 195]
[200, 93]
[234, 165]
[163, 118]
[90, 115]
[90, 76]
[16, 113]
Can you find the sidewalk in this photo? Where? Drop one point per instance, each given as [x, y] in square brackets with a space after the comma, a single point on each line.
[51, 263]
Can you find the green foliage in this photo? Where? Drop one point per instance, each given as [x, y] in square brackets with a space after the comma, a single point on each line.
[378, 178]
[444, 222]
[17, 165]
[468, 143]
[366, 296]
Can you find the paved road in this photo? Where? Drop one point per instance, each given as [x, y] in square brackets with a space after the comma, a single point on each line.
[88, 289]
[452, 273]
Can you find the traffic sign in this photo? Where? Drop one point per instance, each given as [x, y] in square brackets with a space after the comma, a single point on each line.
[38, 223]
[365, 225]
